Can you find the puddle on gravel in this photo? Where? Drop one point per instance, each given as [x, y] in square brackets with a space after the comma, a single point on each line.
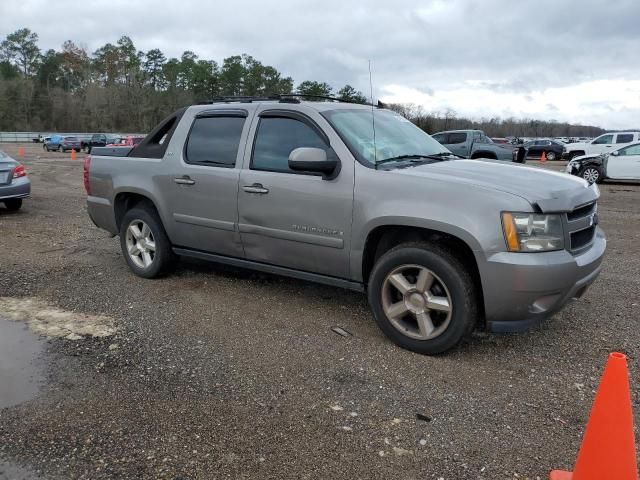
[20, 374]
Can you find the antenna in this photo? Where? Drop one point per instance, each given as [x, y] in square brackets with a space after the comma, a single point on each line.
[373, 119]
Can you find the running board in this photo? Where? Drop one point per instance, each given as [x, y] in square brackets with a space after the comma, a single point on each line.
[265, 267]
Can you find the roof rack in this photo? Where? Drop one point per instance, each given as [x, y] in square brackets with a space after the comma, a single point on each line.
[282, 98]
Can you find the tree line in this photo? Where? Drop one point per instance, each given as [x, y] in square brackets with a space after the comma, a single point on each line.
[120, 88]
[439, 121]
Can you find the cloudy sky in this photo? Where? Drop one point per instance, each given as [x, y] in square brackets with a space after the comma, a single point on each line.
[549, 59]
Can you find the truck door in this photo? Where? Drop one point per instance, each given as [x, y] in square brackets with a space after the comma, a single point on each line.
[625, 165]
[289, 218]
[201, 184]
[602, 144]
[459, 143]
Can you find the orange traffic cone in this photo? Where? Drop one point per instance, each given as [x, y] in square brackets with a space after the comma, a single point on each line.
[608, 450]
[543, 157]
[21, 152]
[73, 154]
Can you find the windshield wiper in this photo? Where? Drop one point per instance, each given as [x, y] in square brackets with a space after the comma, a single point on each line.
[415, 158]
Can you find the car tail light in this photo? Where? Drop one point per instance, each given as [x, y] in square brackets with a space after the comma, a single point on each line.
[19, 172]
[85, 174]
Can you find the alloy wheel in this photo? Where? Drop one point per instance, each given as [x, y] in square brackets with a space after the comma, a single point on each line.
[141, 245]
[591, 175]
[416, 302]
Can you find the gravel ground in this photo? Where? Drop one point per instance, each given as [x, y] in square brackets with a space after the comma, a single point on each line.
[216, 372]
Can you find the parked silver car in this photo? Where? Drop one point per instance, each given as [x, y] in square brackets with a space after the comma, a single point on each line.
[442, 245]
[14, 182]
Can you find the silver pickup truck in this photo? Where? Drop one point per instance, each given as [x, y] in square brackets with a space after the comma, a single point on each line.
[305, 189]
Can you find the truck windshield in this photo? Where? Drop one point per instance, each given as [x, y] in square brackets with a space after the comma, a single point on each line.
[395, 136]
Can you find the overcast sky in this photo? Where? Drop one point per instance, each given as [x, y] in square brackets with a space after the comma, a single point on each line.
[549, 59]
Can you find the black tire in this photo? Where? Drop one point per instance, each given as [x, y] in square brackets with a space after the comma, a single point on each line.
[164, 258]
[13, 204]
[590, 172]
[551, 156]
[60, 149]
[454, 275]
[573, 155]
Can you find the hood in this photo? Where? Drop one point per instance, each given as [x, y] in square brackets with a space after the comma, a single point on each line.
[576, 146]
[593, 156]
[547, 190]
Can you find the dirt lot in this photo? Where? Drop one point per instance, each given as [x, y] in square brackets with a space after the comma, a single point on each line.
[215, 372]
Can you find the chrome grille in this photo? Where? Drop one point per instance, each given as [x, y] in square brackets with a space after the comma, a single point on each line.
[581, 227]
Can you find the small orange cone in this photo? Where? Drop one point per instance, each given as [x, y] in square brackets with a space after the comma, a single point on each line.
[543, 157]
[21, 152]
[73, 154]
[608, 449]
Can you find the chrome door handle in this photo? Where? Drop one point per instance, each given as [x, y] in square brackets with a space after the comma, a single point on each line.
[255, 188]
[185, 180]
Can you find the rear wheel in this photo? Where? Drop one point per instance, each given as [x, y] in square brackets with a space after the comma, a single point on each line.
[13, 204]
[423, 298]
[144, 243]
[591, 174]
[60, 149]
[551, 156]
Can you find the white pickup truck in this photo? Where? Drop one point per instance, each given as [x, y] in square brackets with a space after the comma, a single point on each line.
[602, 144]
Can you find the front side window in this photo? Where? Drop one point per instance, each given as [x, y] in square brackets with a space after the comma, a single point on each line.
[631, 150]
[603, 140]
[440, 137]
[214, 141]
[457, 137]
[276, 138]
[394, 135]
[624, 138]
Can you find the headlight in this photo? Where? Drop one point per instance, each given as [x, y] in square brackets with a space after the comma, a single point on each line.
[532, 232]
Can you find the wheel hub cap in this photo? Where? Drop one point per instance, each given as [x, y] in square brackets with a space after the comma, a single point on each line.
[415, 302]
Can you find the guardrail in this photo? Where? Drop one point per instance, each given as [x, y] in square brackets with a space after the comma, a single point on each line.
[28, 137]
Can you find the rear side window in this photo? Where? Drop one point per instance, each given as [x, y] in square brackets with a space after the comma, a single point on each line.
[603, 140]
[457, 137]
[214, 141]
[276, 138]
[439, 137]
[624, 138]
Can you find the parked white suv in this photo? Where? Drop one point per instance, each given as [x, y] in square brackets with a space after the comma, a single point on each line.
[602, 144]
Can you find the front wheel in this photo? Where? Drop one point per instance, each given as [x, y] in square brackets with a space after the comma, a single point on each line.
[551, 156]
[423, 298]
[591, 174]
[144, 243]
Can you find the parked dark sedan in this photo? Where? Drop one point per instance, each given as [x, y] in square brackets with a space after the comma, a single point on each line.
[552, 149]
[14, 183]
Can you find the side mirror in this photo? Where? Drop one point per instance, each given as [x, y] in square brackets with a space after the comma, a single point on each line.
[615, 153]
[308, 159]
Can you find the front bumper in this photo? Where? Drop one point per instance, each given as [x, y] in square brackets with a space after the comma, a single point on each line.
[521, 290]
[18, 188]
[572, 168]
